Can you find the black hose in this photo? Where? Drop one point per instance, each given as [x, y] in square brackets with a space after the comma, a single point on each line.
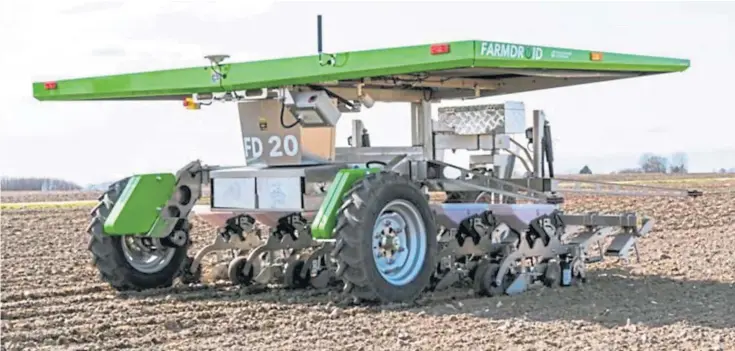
[368, 163]
[332, 95]
[283, 123]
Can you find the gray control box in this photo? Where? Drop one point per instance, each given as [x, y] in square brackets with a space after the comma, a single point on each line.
[315, 109]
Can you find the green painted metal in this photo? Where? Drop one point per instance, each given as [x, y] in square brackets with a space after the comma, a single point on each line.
[175, 83]
[139, 206]
[509, 55]
[323, 224]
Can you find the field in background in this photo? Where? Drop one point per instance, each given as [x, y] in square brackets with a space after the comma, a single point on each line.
[680, 296]
[705, 180]
[716, 181]
[35, 199]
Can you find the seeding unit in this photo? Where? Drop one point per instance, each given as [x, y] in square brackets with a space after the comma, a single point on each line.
[303, 212]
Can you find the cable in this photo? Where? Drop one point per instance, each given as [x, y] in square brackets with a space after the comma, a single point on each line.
[216, 68]
[283, 123]
[368, 163]
[332, 95]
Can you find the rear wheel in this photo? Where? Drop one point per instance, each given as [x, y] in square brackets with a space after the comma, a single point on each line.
[130, 262]
[386, 239]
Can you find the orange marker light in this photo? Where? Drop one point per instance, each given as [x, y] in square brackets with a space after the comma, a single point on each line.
[595, 56]
[438, 49]
[190, 104]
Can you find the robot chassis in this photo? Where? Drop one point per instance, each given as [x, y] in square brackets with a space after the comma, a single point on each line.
[389, 253]
[361, 214]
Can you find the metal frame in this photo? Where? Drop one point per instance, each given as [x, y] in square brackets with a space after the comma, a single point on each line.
[422, 161]
[516, 242]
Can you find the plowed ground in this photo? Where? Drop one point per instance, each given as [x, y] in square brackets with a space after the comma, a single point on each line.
[681, 296]
[40, 196]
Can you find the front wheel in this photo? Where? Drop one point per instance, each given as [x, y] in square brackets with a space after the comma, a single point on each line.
[130, 262]
[387, 243]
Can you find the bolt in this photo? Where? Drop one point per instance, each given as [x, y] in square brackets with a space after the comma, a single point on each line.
[391, 261]
[401, 249]
[398, 230]
[158, 178]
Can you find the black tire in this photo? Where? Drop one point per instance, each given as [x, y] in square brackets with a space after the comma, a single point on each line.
[354, 231]
[488, 281]
[109, 258]
[478, 275]
[235, 271]
[188, 277]
[292, 275]
[552, 275]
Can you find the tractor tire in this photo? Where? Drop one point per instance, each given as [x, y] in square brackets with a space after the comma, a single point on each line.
[374, 266]
[114, 259]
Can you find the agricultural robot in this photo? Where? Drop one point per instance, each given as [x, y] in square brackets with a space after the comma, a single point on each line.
[304, 213]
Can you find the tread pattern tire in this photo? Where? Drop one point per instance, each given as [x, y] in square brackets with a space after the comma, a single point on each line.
[354, 230]
[108, 256]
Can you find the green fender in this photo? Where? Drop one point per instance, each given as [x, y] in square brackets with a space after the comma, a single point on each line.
[139, 206]
[326, 219]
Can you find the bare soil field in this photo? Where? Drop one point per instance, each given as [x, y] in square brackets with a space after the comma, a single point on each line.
[44, 196]
[56, 196]
[681, 296]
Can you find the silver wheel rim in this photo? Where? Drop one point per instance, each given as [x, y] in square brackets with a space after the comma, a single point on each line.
[144, 259]
[399, 242]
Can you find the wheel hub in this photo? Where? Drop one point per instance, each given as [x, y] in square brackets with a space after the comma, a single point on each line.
[389, 243]
[146, 255]
[399, 243]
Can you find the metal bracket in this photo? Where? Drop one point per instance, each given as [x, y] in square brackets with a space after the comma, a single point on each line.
[187, 191]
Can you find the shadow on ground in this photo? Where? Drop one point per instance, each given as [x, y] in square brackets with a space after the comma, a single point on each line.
[612, 297]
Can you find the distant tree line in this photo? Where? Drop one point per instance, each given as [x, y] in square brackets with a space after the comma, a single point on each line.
[36, 184]
[678, 163]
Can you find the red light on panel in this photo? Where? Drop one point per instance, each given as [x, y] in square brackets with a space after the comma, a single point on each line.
[438, 49]
[49, 85]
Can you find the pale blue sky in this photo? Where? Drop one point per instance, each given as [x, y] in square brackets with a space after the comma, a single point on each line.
[607, 124]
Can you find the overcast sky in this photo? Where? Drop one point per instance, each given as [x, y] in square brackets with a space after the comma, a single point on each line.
[607, 124]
